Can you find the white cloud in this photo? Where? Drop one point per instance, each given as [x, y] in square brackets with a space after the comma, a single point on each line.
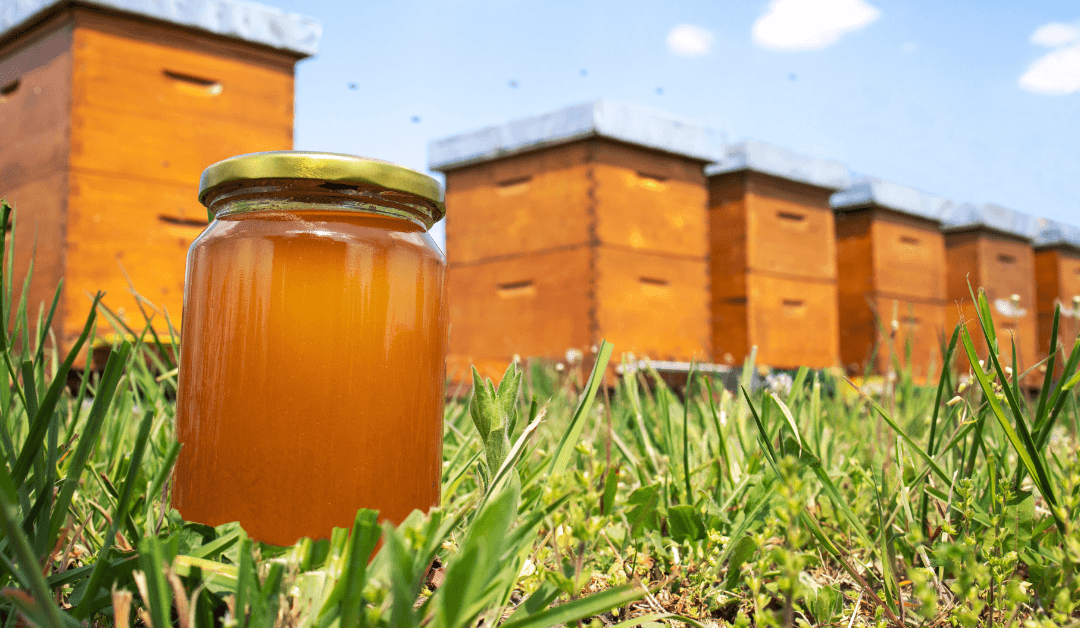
[1055, 73]
[1058, 71]
[688, 40]
[1055, 34]
[810, 24]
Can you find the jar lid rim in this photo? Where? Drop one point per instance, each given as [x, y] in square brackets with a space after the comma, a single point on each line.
[329, 167]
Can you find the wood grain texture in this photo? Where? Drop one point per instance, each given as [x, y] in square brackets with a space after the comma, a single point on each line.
[34, 132]
[1003, 266]
[163, 149]
[1057, 281]
[793, 322]
[122, 66]
[774, 271]
[38, 239]
[727, 239]
[532, 305]
[522, 204]
[116, 234]
[790, 228]
[649, 201]
[855, 289]
[909, 256]
[913, 341]
[891, 267]
[653, 305]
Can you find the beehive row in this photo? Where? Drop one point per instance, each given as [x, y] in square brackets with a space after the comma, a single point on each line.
[612, 221]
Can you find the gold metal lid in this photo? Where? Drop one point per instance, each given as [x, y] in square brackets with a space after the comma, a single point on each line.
[327, 167]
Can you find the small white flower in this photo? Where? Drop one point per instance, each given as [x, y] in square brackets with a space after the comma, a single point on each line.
[528, 569]
[559, 366]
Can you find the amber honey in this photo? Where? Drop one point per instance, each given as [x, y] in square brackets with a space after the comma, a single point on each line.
[312, 369]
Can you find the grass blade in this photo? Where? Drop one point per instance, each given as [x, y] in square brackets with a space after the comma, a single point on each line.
[581, 608]
[561, 459]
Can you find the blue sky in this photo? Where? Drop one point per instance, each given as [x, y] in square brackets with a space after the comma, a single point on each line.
[977, 102]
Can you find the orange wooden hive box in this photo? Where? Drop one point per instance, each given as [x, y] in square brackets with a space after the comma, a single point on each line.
[108, 115]
[583, 224]
[892, 279]
[773, 250]
[1057, 282]
[990, 246]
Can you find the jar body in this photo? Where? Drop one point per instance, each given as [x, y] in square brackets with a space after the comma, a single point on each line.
[311, 372]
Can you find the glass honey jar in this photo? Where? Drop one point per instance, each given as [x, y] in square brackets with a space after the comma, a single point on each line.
[313, 346]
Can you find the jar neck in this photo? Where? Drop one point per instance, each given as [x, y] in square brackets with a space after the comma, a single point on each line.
[300, 195]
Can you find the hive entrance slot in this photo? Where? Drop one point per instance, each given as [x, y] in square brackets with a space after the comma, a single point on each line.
[791, 216]
[180, 220]
[1006, 259]
[909, 240]
[505, 183]
[735, 300]
[653, 281]
[513, 185]
[191, 84]
[523, 288]
[793, 302]
[9, 88]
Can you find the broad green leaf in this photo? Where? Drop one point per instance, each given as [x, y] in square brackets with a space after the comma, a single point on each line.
[685, 524]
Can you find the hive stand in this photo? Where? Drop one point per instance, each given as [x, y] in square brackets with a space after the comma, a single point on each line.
[990, 247]
[773, 249]
[583, 224]
[1057, 282]
[108, 115]
[892, 279]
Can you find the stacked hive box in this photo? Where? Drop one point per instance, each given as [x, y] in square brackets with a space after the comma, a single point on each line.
[109, 114]
[571, 227]
[773, 254]
[892, 278]
[990, 247]
[1057, 282]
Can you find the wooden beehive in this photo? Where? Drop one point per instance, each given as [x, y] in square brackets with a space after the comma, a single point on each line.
[108, 117]
[990, 247]
[773, 257]
[892, 278]
[1057, 283]
[573, 227]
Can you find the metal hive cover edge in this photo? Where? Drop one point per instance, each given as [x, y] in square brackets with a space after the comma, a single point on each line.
[248, 21]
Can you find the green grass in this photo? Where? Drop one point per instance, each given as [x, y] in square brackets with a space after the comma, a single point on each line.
[567, 503]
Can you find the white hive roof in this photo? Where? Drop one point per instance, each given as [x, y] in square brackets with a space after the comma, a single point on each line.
[868, 192]
[632, 124]
[238, 19]
[780, 162]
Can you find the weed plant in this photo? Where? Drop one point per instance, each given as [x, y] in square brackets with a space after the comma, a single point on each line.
[566, 501]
